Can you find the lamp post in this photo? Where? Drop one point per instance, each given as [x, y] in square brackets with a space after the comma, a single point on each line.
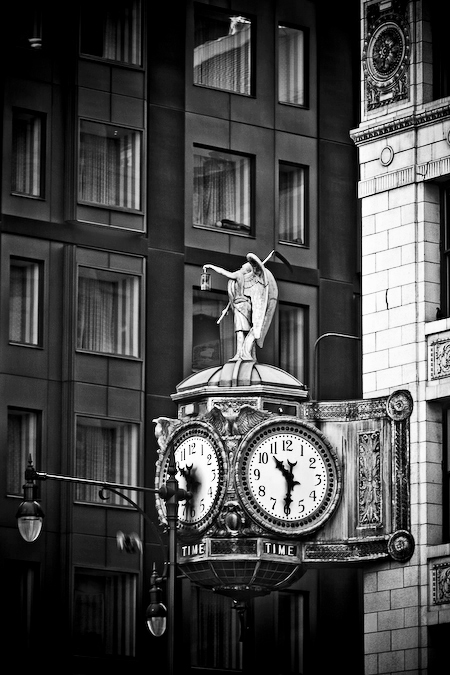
[30, 517]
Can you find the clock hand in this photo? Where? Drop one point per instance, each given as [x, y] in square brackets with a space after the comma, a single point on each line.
[189, 476]
[290, 481]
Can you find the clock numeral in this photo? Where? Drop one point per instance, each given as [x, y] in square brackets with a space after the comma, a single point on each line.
[318, 478]
[214, 474]
[301, 505]
[209, 459]
[274, 502]
[191, 448]
[202, 504]
[273, 448]
[312, 462]
[287, 445]
[263, 457]
[183, 454]
[287, 510]
[210, 492]
[262, 490]
[257, 474]
[313, 495]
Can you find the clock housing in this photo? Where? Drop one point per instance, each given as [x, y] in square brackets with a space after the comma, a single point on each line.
[288, 476]
[200, 461]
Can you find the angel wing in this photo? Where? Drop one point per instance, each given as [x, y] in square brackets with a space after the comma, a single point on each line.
[264, 295]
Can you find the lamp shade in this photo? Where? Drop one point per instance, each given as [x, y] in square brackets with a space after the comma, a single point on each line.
[30, 517]
[156, 618]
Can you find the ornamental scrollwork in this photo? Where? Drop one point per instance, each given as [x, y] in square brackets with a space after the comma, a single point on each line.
[369, 479]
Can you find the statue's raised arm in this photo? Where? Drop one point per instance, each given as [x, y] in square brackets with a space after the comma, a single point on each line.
[253, 294]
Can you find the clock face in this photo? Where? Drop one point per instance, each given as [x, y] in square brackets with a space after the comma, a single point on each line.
[288, 476]
[199, 461]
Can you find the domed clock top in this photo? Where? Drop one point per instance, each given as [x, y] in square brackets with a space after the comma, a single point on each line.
[288, 477]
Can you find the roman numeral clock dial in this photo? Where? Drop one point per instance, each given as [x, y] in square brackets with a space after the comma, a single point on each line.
[288, 476]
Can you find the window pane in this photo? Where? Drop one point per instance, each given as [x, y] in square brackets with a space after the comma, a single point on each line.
[291, 631]
[291, 65]
[112, 30]
[108, 312]
[105, 451]
[110, 165]
[22, 443]
[216, 632]
[24, 282]
[212, 343]
[222, 52]
[104, 614]
[292, 200]
[27, 155]
[292, 340]
[221, 190]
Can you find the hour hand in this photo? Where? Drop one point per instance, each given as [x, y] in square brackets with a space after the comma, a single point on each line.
[188, 474]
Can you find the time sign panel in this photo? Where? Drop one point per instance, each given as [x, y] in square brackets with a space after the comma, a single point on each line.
[288, 476]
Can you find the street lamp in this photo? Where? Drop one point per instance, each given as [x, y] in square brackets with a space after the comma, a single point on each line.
[30, 517]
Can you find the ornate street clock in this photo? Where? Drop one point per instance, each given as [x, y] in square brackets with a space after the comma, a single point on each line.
[200, 461]
[288, 476]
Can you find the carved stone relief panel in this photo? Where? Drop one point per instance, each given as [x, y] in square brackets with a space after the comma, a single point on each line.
[369, 480]
[386, 54]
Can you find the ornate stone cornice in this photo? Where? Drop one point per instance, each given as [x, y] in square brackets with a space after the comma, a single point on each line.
[411, 121]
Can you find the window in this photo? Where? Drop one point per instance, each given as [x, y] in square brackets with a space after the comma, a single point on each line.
[291, 65]
[28, 138]
[223, 51]
[212, 343]
[440, 17]
[292, 203]
[222, 190]
[112, 30]
[106, 450]
[110, 165]
[292, 329]
[24, 295]
[104, 622]
[291, 610]
[446, 476]
[23, 430]
[108, 312]
[445, 250]
[215, 635]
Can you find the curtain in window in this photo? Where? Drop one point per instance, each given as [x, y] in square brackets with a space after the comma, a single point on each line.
[216, 643]
[27, 154]
[21, 443]
[222, 55]
[292, 204]
[105, 451]
[292, 326]
[212, 343]
[122, 39]
[222, 192]
[24, 302]
[108, 314]
[110, 168]
[104, 614]
[291, 86]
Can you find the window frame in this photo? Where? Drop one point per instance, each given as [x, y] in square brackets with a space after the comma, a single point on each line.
[446, 475]
[39, 303]
[306, 331]
[130, 577]
[208, 11]
[33, 452]
[113, 500]
[222, 154]
[87, 7]
[113, 271]
[139, 182]
[42, 117]
[306, 211]
[306, 64]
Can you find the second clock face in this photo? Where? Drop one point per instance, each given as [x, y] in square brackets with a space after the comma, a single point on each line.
[199, 462]
[288, 477]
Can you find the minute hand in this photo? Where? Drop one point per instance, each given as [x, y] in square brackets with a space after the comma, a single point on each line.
[290, 482]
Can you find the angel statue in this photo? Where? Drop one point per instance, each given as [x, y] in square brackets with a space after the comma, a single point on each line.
[252, 293]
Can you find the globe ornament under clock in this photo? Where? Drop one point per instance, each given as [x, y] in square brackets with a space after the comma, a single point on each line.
[200, 462]
[288, 477]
